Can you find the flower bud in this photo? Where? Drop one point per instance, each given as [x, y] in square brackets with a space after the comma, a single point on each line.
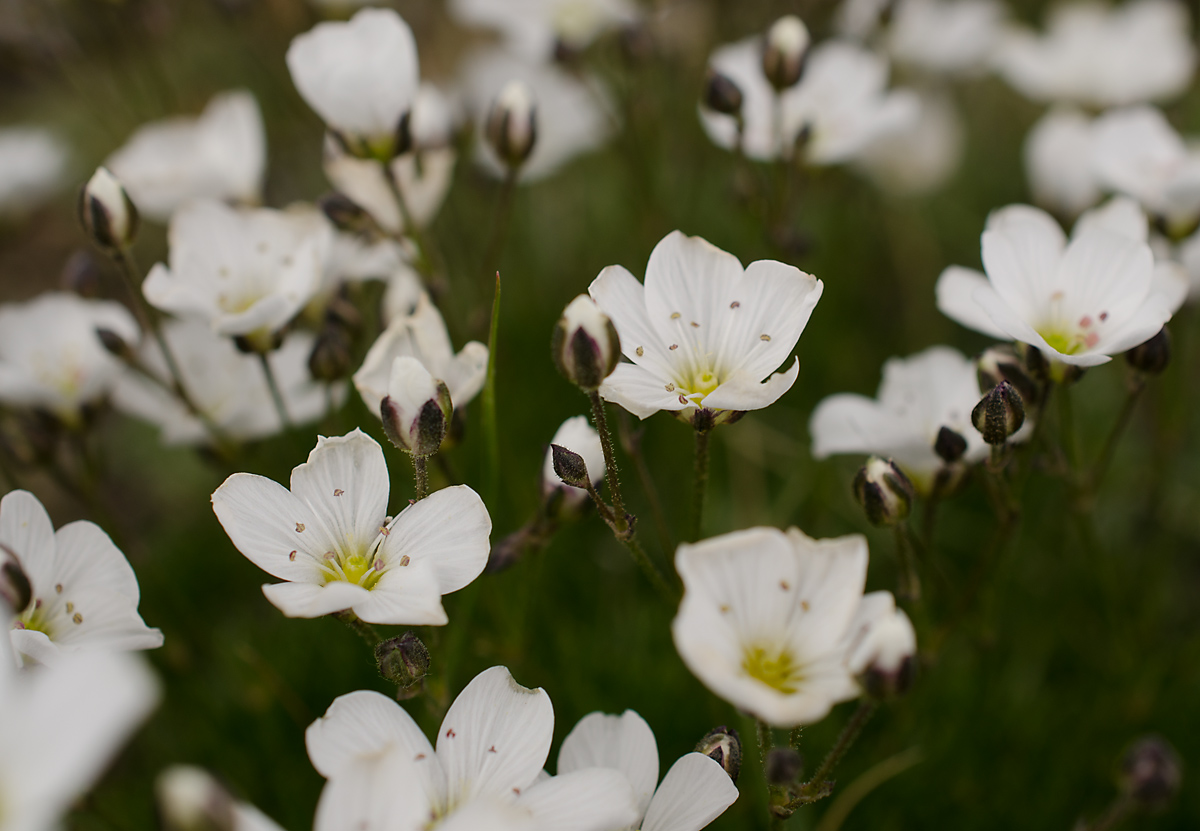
[115, 345]
[884, 491]
[721, 94]
[949, 445]
[1151, 772]
[416, 409]
[570, 467]
[724, 746]
[561, 497]
[404, 661]
[1152, 356]
[999, 414]
[345, 214]
[81, 275]
[883, 659]
[15, 589]
[107, 213]
[1002, 363]
[511, 127]
[331, 358]
[585, 345]
[782, 766]
[191, 799]
[784, 50]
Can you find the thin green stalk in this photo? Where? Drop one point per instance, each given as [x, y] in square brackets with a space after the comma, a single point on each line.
[276, 394]
[424, 263]
[500, 221]
[1066, 426]
[361, 628]
[854, 793]
[909, 587]
[813, 789]
[632, 445]
[491, 429]
[766, 742]
[1100, 469]
[421, 476]
[700, 486]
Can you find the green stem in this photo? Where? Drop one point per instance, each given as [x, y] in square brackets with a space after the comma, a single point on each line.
[1066, 426]
[421, 476]
[632, 445]
[812, 790]
[611, 475]
[700, 486]
[1110, 443]
[491, 429]
[363, 629]
[909, 586]
[276, 394]
[423, 264]
[847, 798]
[668, 594]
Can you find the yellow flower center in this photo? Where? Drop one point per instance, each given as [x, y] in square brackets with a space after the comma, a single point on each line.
[778, 669]
[358, 568]
[704, 382]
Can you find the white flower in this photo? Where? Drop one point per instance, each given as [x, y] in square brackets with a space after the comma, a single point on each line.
[62, 724]
[695, 791]
[1103, 56]
[841, 103]
[360, 76]
[50, 357]
[106, 212]
[950, 37]
[574, 114]
[769, 620]
[535, 28]
[918, 154]
[222, 154]
[1137, 153]
[485, 774]
[1079, 302]
[703, 332]
[577, 435]
[32, 166]
[422, 335]
[919, 396]
[330, 538]
[227, 385]
[191, 798]
[1058, 161]
[417, 408]
[246, 272]
[85, 595]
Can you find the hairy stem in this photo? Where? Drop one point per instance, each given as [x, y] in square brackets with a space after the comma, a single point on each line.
[700, 485]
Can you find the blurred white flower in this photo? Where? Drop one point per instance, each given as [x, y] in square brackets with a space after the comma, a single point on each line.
[840, 105]
[577, 435]
[227, 385]
[246, 272]
[190, 798]
[417, 408]
[919, 396]
[1102, 56]
[50, 356]
[361, 76]
[33, 164]
[1078, 302]
[62, 725]
[949, 37]
[1136, 152]
[919, 153]
[769, 620]
[85, 594]
[1059, 164]
[422, 335]
[222, 154]
[535, 29]
[695, 791]
[330, 538]
[485, 774]
[574, 113]
[703, 332]
[860, 19]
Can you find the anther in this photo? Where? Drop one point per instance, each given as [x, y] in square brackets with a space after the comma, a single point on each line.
[735, 304]
[764, 337]
[640, 351]
[674, 346]
[338, 491]
[299, 527]
[405, 560]
[675, 315]
[670, 388]
[78, 618]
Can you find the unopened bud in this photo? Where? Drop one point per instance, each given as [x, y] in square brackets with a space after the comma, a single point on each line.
[15, 589]
[116, 345]
[404, 661]
[949, 445]
[107, 213]
[511, 127]
[331, 358]
[585, 345]
[784, 49]
[344, 213]
[999, 414]
[191, 799]
[403, 139]
[721, 94]
[782, 766]
[1152, 356]
[1151, 772]
[81, 275]
[1003, 363]
[724, 746]
[416, 409]
[884, 491]
[570, 467]
[883, 661]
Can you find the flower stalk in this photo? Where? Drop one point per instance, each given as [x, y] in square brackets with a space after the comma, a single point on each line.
[276, 393]
[700, 486]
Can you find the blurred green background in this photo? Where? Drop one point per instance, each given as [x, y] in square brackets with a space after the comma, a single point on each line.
[1085, 635]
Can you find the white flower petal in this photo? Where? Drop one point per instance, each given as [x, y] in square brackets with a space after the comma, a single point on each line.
[742, 392]
[406, 595]
[373, 794]
[311, 600]
[625, 743]
[25, 528]
[448, 530]
[367, 725]
[640, 392]
[592, 799]
[695, 791]
[623, 299]
[345, 485]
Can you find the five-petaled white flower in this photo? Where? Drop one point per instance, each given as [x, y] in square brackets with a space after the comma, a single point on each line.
[222, 154]
[50, 356]
[247, 272]
[85, 594]
[770, 621]
[330, 537]
[62, 724]
[422, 335]
[485, 773]
[1102, 56]
[919, 396]
[695, 791]
[703, 332]
[1078, 302]
[32, 164]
